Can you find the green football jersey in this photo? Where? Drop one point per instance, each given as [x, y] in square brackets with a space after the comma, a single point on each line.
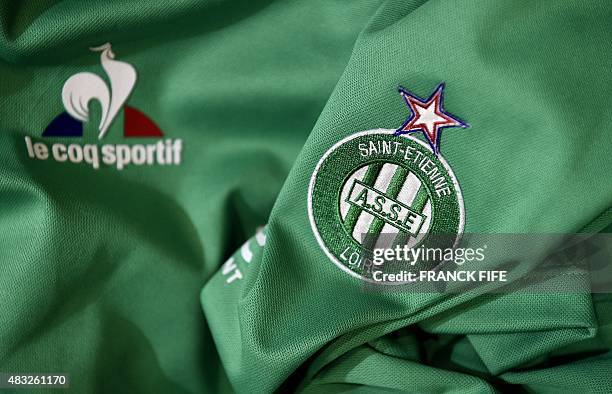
[193, 194]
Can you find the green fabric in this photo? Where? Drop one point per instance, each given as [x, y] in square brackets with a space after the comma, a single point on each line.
[102, 269]
[536, 159]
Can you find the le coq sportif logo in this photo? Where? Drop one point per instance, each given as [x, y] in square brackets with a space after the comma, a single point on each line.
[78, 92]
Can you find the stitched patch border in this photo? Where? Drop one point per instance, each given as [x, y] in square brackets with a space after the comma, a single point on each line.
[342, 174]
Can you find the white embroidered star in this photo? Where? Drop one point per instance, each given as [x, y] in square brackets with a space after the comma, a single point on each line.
[428, 116]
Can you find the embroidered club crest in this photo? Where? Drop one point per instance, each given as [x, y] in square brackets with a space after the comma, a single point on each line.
[382, 188]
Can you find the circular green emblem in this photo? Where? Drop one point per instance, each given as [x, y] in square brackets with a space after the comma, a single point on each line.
[375, 190]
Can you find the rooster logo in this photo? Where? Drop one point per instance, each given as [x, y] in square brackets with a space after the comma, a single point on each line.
[81, 88]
